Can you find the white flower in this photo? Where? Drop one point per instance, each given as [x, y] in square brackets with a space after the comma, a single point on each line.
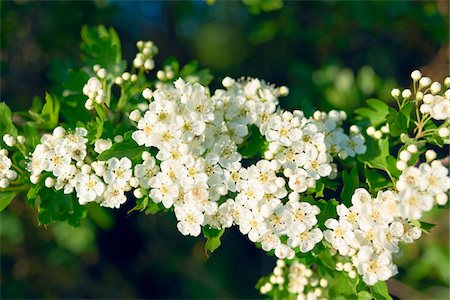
[102, 145]
[145, 171]
[163, 190]
[413, 203]
[113, 197]
[190, 219]
[306, 240]
[341, 237]
[89, 188]
[118, 172]
[374, 267]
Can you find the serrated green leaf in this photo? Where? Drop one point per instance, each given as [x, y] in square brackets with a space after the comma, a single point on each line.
[6, 124]
[128, 148]
[365, 295]
[375, 180]
[380, 291]
[376, 111]
[426, 226]
[6, 197]
[350, 184]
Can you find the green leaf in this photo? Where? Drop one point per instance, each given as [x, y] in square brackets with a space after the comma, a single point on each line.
[376, 111]
[255, 144]
[365, 295]
[380, 291]
[326, 259]
[48, 117]
[127, 148]
[212, 236]
[327, 210]
[191, 73]
[351, 183]
[375, 156]
[342, 285]
[376, 180]
[426, 226]
[102, 46]
[391, 163]
[6, 124]
[6, 197]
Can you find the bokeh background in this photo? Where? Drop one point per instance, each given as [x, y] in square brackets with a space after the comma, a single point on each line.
[330, 54]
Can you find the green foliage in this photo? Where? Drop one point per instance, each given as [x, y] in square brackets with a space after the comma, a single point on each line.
[212, 236]
[128, 148]
[380, 291]
[6, 124]
[6, 197]
[376, 111]
[47, 116]
[350, 184]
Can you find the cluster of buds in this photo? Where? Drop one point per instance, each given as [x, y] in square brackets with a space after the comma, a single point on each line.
[144, 58]
[95, 92]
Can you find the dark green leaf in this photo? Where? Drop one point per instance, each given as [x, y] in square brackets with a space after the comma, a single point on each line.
[376, 111]
[212, 236]
[351, 183]
[6, 124]
[6, 197]
[380, 291]
[128, 148]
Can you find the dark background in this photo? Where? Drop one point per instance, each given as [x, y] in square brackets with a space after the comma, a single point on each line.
[330, 55]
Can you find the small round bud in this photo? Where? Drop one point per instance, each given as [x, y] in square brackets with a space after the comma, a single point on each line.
[161, 75]
[348, 267]
[283, 91]
[444, 132]
[435, 88]
[354, 129]
[9, 140]
[96, 68]
[419, 96]
[405, 155]
[385, 128]
[86, 169]
[228, 82]
[149, 64]
[447, 81]
[147, 94]
[416, 75]
[401, 165]
[134, 78]
[441, 199]
[281, 263]
[378, 134]
[34, 179]
[118, 139]
[118, 81]
[428, 99]
[134, 182]
[395, 93]
[138, 193]
[424, 82]
[406, 94]
[21, 139]
[308, 272]
[126, 76]
[323, 282]
[102, 73]
[370, 130]
[135, 115]
[430, 155]
[278, 271]
[339, 266]
[412, 148]
[49, 182]
[140, 44]
[294, 196]
[352, 274]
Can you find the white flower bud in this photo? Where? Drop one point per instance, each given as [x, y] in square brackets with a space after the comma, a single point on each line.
[428, 99]
[444, 132]
[278, 271]
[11, 175]
[34, 179]
[86, 169]
[416, 75]
[280, 182]
[281, 263]
[140, 44]
[9, 140]
[412, 148]
[161, 75]
[352, 274]
[385, 128]
[430, 155]
[138, 193]
[308, 272]
[228, 82]
[135, 115]
[401, 165]
[102, 145]
[146, 155]
[118, 139]
[21, 139]
[406, 93]
[4, 152]
[435, 88]
[339, 266]
[134, 182]
[370, 130]
[348, 267]
[419, 96]
[441, 199]
[424, 82]
[283, 91]
[118, 81]
[447, 81]
[395, 93]
[102, 73]
[96, 68]
[405, 155]
[79, 164]
[89, 104]
[4, 183]
[149, 64]
[354, 129]
[126, 76]
[49, 182]
[147, 94]
[378, 135]
[323, 282]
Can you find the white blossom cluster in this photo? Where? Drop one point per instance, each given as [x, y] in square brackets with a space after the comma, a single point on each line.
[6, 174]
[199, 169]
[298, 279]
[370, 232]
[61, 159]
[144, 58]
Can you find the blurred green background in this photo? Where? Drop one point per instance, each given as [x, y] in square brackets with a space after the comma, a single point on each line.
[330, 55]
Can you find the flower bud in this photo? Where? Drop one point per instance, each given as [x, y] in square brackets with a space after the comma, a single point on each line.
[416, 75]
